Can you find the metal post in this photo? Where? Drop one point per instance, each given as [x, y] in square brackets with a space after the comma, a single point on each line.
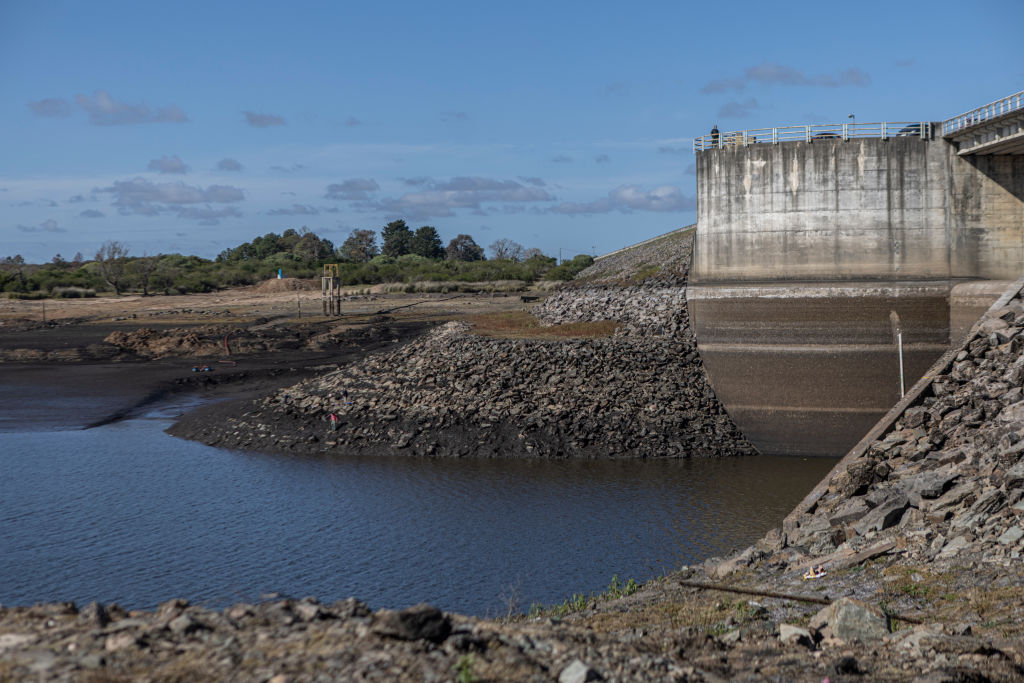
[899, 344]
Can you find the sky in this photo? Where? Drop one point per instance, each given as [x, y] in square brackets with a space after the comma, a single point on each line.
[192, 127]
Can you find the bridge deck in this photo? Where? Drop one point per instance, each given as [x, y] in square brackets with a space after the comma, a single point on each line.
[995, 128]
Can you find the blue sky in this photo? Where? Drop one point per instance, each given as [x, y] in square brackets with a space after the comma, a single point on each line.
[194, 126]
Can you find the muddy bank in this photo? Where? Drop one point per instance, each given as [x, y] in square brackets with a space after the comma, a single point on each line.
[130, 369]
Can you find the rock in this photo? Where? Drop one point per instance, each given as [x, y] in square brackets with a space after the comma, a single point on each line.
[309, 611]
[845, 666]
[859, 475]
[420, 622]
[848, 619]
[184, 625]
[731, 637]
[1011, 536]
[120, 641]
[848, 512]
[11, 641]
[95, 614]
[952, 548]
[577, 672]
[795, 635]
[351, 608]
[887, 514]
[928, 485]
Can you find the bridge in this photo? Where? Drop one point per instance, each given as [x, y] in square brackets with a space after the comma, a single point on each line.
[995, 128]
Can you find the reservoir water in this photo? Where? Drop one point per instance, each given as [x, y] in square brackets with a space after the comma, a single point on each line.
[125, 513]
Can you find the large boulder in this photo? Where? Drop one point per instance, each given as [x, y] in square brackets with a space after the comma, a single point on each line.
[848, 619]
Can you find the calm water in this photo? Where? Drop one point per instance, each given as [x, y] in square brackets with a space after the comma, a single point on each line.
[125, 513]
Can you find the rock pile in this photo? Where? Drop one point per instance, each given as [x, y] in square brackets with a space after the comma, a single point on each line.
[662, 262]
[292, 640]
[453, 393]
[947, 481]
[643, 310]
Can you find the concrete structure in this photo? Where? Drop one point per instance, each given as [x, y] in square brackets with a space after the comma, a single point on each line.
[810, 255]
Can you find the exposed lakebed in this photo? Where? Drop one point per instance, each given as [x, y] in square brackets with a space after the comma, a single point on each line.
[125, 513]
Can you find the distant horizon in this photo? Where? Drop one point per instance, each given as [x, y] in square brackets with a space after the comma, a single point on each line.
[555, 127]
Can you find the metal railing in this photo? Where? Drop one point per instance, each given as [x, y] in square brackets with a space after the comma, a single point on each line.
[817, 133]
[983, 114]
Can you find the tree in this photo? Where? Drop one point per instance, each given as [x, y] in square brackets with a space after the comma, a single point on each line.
[397, 239]
[506, 250]
[360, 247]
[141, 269]
[463, 248]
[111, 261]
[427, 243]
[310, 247]
[16, 266]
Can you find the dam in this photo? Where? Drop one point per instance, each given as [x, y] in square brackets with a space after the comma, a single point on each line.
[833, 264]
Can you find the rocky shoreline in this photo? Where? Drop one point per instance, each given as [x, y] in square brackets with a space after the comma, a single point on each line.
[903, 564]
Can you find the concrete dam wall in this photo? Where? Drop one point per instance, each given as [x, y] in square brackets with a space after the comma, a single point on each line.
[809, 256]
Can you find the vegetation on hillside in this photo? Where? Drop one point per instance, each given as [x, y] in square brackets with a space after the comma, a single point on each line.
[404, 256]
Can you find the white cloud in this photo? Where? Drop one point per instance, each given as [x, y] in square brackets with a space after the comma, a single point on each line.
[626, 198]
[229, 164]
[353, 189]
[49, 225]
[208, 215]
[772, 73]
[263, 120]
[737, 110]
[103, 110]
[92, 213]
[295, 210]
[51, 107]
[167, 164]
[443, 198]
[142, 197]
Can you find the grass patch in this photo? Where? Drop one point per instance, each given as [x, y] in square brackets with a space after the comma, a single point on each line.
[522, 325]
[645, 271]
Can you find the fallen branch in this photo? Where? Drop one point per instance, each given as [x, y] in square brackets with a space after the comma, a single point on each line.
[781, 596]
[416, 303]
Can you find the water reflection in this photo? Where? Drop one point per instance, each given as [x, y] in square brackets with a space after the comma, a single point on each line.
[126, 513]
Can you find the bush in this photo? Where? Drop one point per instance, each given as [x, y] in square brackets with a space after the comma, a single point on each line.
[72, 292]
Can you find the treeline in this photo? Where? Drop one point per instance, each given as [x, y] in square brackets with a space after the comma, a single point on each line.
[404, 255]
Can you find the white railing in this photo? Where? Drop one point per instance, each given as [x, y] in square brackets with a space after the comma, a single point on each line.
[983, 114]
[817, 133]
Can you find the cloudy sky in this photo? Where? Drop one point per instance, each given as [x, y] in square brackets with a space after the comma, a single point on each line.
[194, 126]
